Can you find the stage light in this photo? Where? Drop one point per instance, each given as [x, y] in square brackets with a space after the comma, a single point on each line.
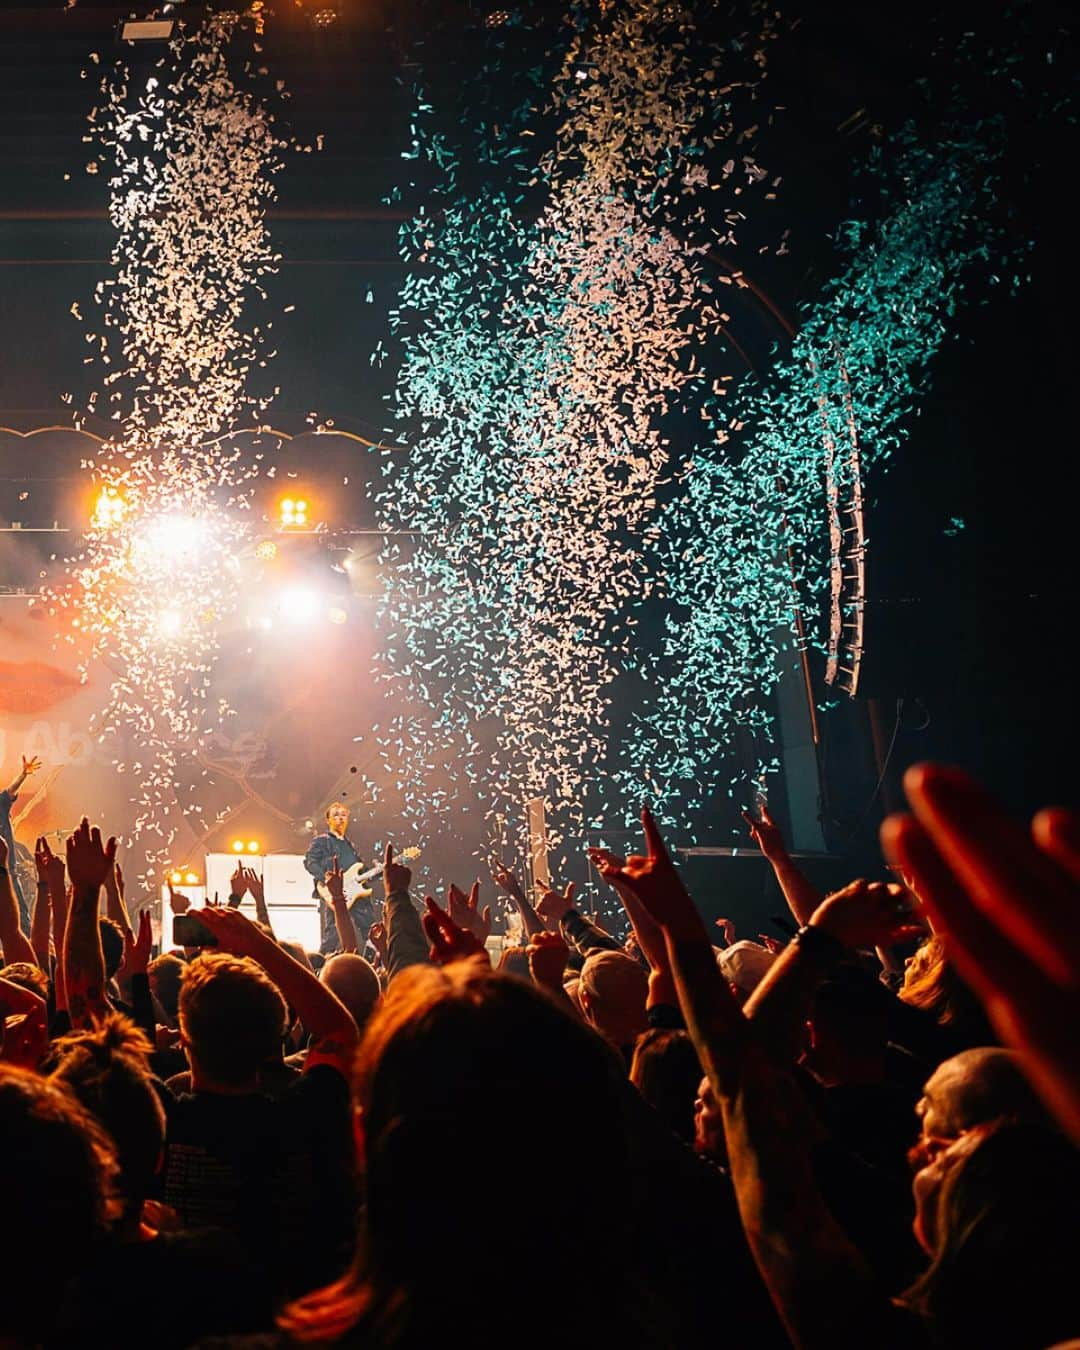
[172, 538]
[266, 550]
[170, 622]
[176, 878]
[299, 606]
[253, 846]
[190, 879]
[337, 616]
[497, 18]
[293, 513]
[325, 16]
[238, 846]
[108, 509]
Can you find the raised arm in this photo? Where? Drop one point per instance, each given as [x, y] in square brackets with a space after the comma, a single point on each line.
[329, 1022]
[254, 884]
[859, 917]
[1006, 901]
[41, 917]
[821, 1286]
[801, 895]
[16, 945]
[508, 883]
[88, 862]
[343, 922]
[115, 907]
[649, 934]
[29, 766]
[405, 941]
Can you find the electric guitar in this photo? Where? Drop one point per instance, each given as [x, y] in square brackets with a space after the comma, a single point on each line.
[353, 877]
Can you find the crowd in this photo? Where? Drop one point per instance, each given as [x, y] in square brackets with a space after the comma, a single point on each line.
[670, 1138]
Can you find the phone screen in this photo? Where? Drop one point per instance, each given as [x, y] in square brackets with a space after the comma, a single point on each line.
[188, 931]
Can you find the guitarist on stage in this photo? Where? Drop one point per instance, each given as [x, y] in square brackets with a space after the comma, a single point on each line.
[319, 860]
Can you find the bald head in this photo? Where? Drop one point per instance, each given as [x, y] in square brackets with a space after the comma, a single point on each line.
[354, 981]
[974, 1088]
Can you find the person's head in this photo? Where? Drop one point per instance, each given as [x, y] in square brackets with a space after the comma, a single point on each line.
[337, 818]
[848, 1029]
[996, 1212]
[744, 965]
[295, 950]
[708, 1124]
[27, 976]
[974, 1088]
[355, 983]
[165, 973]
[108, 1070]
[57, 1174]
[931, 983]
[666, 1071]
[612, 991]
[232, 1019]
[457, 1063]
[112, 945]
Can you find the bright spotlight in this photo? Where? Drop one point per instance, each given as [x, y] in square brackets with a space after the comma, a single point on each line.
[293, 513]
[238, 846]
[170, 622]
[337, 616]
[266, 550]
[176, 878]
[299, 606]
[190, 879]
[109, 509]
[173, 538]
[253, 846]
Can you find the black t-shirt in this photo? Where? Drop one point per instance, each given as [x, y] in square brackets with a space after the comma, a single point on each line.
[278, 1174]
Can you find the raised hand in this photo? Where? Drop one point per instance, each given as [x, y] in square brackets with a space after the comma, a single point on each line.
[179, 904]
[395, 877]
[765, 832]
[654, 882]
[335, 883]
[239, 880]
[449, 942]
[466, 913]
[89, 861]
[1006, 902]
[866, 914]
[30, 765]
[378, 939]
[253, 884]
[505, 879]
[137, 950]
[50, 868]
[553, 905]
[235, 932]
[727, 928]
[548, 955]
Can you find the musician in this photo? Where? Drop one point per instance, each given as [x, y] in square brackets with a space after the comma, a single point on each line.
[319, 859]
[7, 801]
